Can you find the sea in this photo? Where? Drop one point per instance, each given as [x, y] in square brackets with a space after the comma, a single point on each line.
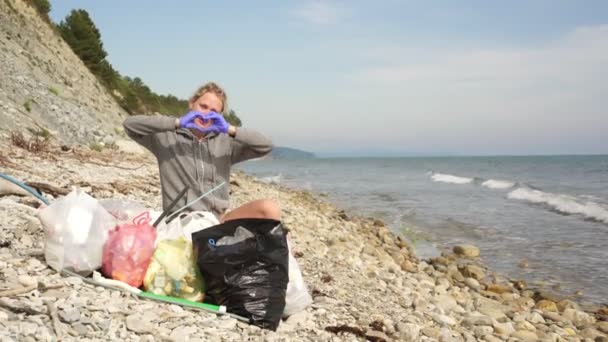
[542, 219]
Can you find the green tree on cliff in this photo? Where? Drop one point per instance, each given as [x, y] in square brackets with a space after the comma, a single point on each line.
[43, 7]
[79, 31]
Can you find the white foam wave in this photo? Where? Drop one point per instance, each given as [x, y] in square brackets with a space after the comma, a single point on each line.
[272, 179]
[497, 184]
[445, 178]
[562, 203]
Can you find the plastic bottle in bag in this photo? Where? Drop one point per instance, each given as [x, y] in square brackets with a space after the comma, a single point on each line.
[173, 271]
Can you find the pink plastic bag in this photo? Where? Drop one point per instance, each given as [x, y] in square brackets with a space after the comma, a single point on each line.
[128, 251]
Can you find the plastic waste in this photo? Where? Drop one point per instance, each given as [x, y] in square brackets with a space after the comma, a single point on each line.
[123, 210]
[248, 277]
[127, 253]
[76, 228]
[173, 271]
[297, 297]
[186, 224]
[241, 234]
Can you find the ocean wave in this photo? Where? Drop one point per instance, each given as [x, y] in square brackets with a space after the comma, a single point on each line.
[497, 184]
[445, 178]
[272, 179]
[564, 204]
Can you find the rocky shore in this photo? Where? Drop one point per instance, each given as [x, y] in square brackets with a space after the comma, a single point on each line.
[366, 282]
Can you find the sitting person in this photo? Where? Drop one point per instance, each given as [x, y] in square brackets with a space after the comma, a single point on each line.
[198, 150]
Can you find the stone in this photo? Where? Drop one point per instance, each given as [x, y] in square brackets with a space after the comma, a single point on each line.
[476, 320]
[408, 266]
[546, 305]
[379, 335]
[74, 281]
[472, 283]
[491, 338]
[578, 318]
[301, 318]
[69, 315]
[183, 333]
[525, 325]
[446, 302]
[108, 140]
[468, 251]
[431, 332]
[535, 318]
[590, 333]
[482, 330]
[408, 331]
[226, 324]
[498, 288]
[473, 271]
[525, 335]
[491, 308]
[553, 316]
[503, 329]
[522, 304]
[129, 146]
[136, 324]
[26, 280]
[520, 284]
[28, 328]
[602, 326]
[567, 304]
[26, 240]
[444, 319]
[80, 328]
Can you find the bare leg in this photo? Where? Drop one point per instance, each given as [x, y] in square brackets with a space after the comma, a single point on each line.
[255, 209]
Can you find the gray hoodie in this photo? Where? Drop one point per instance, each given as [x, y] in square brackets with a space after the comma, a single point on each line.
[184, 160]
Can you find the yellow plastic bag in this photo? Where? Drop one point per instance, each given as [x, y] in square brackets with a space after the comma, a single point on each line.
[173, 271]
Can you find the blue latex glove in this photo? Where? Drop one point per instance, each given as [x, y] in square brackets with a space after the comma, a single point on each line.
[218, 125]
[187, 121]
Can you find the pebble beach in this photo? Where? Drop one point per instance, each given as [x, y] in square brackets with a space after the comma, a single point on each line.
[366, 282]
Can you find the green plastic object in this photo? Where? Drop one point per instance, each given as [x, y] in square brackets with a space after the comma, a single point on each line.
[166, 299]
[183, 302]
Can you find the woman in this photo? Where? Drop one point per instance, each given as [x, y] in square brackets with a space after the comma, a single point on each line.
[198, 150]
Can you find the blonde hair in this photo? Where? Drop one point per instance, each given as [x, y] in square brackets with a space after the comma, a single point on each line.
[212, 87]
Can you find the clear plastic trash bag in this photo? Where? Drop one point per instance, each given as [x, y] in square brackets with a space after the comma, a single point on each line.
[76, 228]
[297, 297]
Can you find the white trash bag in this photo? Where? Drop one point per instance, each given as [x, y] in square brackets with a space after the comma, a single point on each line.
[185, 224]
[297, 297]
[76, 228]
[124, 210]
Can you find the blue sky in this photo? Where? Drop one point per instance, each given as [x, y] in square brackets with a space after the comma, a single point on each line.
[380, 77]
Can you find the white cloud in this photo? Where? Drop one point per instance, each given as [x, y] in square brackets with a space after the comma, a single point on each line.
[319, 12]
[579, 55]
[546, 98]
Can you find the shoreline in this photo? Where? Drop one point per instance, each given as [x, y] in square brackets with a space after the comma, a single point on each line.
[364, 279]
[545, 287]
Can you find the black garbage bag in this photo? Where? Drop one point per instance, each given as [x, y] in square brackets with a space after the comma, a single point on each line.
[245, 266]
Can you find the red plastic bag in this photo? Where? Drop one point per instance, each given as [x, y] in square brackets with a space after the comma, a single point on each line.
[128, 251]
